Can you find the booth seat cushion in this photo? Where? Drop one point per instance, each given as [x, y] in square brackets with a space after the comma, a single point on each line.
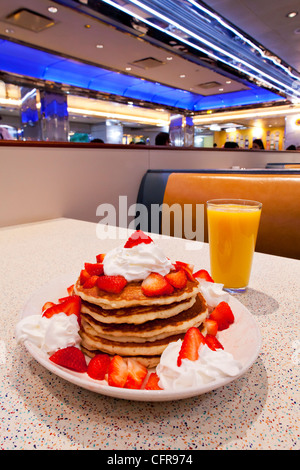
[279, 192]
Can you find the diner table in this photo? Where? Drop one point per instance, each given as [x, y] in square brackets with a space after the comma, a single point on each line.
[42, 411]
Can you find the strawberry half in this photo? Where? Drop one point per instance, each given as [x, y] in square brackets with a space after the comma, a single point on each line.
[136, 238]
[155, 284]
[100, 257]
[136, 374]
[71, 358]
[203, 274]
[213, 343]
[94, 269]
[83, 277]
[91, 282]
[98, 366]
[190, 345]
[111, 284]
[188, 269]
[117, 372]
[71, 305]
[223, 315]
[152, 382]
[177, 279]
[47, 305]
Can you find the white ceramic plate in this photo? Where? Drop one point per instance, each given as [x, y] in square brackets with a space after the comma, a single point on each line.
[242, 339]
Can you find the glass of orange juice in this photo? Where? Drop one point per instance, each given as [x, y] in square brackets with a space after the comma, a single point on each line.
[232, 232]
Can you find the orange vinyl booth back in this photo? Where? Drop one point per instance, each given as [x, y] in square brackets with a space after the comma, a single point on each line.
[279, 231]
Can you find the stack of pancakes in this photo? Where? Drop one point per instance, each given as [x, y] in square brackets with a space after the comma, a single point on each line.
[131, 324]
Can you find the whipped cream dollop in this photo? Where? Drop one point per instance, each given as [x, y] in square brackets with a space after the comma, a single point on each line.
[210, 366]
[212, 292]
[136, 263]
[49, 334]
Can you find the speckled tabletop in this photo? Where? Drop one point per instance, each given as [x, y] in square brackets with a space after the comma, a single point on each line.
[39, 410]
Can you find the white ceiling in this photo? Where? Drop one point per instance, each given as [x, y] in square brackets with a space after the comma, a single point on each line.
[266, 21]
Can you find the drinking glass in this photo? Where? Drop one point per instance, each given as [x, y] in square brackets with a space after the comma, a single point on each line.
[232, 232]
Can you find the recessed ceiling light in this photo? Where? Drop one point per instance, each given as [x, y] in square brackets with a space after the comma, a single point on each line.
[221, 89]
[292, 14]
[228, 81]
[128, 68]
[87, 26]
[52, 10]
[182, 76]
[99, 46]
[170, 58]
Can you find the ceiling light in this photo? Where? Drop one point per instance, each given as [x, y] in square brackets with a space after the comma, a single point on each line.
[87, 26]
[228, 82]
[169, 58]
[221, 89]
[182, 76]
[292, 14]
[128, 69]
[52, 10]
[99, 46]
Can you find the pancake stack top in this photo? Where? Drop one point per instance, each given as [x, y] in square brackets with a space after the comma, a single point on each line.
[135, 301]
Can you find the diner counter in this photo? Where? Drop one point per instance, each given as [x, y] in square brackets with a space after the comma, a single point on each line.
[39, 410]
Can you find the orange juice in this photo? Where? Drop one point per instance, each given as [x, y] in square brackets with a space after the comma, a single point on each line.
[232, 231]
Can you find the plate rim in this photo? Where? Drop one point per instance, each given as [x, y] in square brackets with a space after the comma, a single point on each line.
[82, 380]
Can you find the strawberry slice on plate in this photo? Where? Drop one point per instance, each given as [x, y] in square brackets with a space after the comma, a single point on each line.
[177, 279]
[192, 340]
[137, 373]
[98, 366]
[152, 382]
[155, 284]
[71, 358]
[203, 274]
[211, 326]
[111, 284]
[117, 372]
[71, 305]
[223, 315]
[213, 343]
[136, 238]
[100, 258]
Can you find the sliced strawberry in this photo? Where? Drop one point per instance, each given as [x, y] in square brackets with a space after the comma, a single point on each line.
[213, 343]
[203, 274]
[223, 315]
[190, 345]
[90, 282]
[177, 279]
[211, 326]
[111, 284]
[71, 305]
[47, 305]
[152, 382]
[136, 374]
[98, 366]
[136, 238]
[71, 358]
[94, 269]
[155, 284]
[100, 258]
[117, 372]
[70, 289]
[188, 269]
[84, 275]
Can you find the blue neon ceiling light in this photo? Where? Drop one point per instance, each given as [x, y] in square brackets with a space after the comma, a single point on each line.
[29, 62]
[199, 28]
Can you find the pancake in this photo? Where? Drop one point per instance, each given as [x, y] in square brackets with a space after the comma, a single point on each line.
[132, 349]
[147, 361]
[149, 330]
[137, 314]
[132, 295]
